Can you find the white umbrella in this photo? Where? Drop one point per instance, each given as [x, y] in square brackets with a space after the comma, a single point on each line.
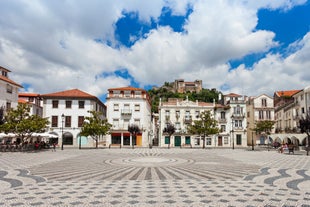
[44, 134]
[2, 135]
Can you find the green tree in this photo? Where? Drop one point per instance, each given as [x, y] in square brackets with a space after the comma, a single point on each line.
[1, 115]
[19, 122]
[304, 125]
[206, 125]
[95, 126]
[169, 129]
[134, 130]
[264, 128]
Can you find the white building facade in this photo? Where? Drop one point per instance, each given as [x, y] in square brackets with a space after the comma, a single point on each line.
[181, 113]
[129, 106]
[259, 108]
[8, 90]
[66, 111]
[237, 118]
[34, 101]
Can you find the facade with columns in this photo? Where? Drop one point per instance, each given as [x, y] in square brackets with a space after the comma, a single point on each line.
[181, 113]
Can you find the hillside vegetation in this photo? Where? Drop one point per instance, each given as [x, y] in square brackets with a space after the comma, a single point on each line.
[167, 91]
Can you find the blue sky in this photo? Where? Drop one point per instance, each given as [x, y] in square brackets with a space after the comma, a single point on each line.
[248, 47]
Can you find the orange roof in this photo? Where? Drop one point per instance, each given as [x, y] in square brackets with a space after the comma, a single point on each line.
[73, 93]
[7, 70]
[233, 95]
[28, 94]
[10, 81]
[22, 101]
[128, 88]
[286, 93]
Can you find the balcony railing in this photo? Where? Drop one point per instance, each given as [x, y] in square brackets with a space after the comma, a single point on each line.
[126, 111]
[222, 120]
[238, 115]
[188, 119]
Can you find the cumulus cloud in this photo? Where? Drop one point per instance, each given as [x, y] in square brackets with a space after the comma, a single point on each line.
[57, 45]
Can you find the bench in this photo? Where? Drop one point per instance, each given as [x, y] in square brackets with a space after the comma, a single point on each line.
[115, 145]
[186, 146]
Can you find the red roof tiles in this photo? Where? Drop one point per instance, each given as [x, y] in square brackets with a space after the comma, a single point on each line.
[73, 93]
[288, 93]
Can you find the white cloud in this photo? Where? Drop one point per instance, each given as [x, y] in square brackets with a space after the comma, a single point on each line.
[50, 45]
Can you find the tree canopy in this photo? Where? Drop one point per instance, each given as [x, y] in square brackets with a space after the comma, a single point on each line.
[167, 91]
[170, 130]
[264, 126]
[206, 125]
[95, 126]
[304, 125]
[134, 129]
[19, 122]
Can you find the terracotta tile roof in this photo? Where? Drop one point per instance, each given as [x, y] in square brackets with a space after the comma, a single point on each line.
[22, 101]
[7, 70]
[28, 95]
[128, 88]
[232, 95]
[73, 93]
[10, 81]
[286, 93]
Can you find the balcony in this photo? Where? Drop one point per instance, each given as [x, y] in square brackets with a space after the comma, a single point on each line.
[126, 112]
[238, 115]
[222, 120]
[188, 119]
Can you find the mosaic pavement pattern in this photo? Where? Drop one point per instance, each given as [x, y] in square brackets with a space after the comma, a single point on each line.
[154, 177]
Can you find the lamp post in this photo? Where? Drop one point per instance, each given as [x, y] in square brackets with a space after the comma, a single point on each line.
[252, 140]
[232, 133]
[62, 131]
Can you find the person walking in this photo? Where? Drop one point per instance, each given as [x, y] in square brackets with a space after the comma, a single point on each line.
[54, 146]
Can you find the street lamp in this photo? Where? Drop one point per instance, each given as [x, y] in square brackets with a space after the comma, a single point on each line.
[232, 133]
[62, 131]
[252, 140]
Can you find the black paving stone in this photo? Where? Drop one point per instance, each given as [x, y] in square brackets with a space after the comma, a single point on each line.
[77, 203]
[133, 202]
[37, 204]
[170, 201]
[17, 204]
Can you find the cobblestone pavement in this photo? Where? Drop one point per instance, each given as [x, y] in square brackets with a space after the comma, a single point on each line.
[154, 177]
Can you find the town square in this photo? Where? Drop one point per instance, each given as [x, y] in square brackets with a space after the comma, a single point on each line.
[154, 177]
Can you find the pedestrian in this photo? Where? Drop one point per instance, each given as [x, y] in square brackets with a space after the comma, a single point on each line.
[54, 146]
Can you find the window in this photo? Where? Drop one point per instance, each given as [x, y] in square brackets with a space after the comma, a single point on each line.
[127, 94]
[264, 102]
[81, 104]
[68, 104]
[225, 140]
[238, 123]
[115, 123]
[268, 114]
[239, 141]
[208, 141]
[302, 110]
[261, 114]
[55, 104]
[54, 121]
[137, 122]
[137, 107]
[126, 123]
[80, 121]
[197, 113]
[8, 106]
[31, 99]
[9, 88]
[68, 121]
[116, 107]
[223, 128]
[223, 115]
